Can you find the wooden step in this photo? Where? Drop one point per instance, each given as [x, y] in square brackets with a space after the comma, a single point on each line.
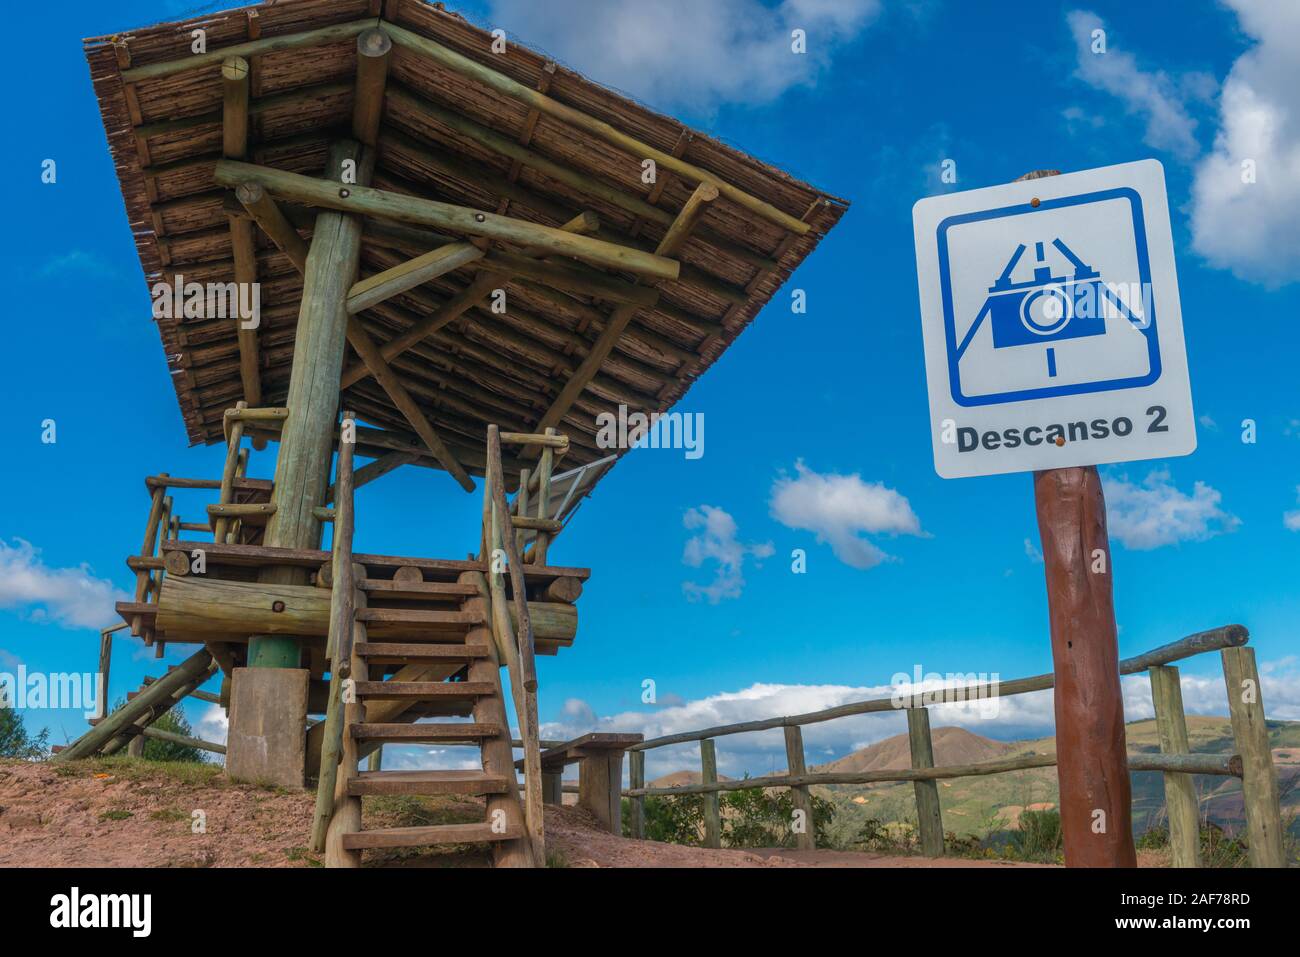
[426, 783]
[432, 835]
[399, 690]
[446, 620]
[445, 733]
[451, 591]
[393, 653]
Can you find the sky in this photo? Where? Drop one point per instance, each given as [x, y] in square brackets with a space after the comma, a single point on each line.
[816, 433]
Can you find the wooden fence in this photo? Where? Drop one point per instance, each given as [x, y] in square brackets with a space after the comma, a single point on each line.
[1252, 762]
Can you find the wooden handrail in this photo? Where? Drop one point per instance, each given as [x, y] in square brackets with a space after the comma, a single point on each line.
[339, 643]
[1228, 636]
[516, 645]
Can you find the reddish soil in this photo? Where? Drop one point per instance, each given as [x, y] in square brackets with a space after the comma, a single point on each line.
[129, 813]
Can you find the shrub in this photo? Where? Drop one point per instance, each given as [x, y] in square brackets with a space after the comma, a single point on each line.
[16, 742]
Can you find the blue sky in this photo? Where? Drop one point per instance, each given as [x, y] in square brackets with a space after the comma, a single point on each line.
[826, 408]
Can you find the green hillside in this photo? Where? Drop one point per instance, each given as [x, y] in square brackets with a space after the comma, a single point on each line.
[981, 806]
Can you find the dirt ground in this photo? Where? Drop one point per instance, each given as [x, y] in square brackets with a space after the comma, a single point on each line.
[127, 813]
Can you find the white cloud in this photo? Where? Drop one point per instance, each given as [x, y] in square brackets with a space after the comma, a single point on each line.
[1291, 520]
[840, 509]
[684, 53]
[1151, 513]
[1157, 98]
[1253, 228]
[70, 597]
[74, 261]
[214, 726]
[1032, 552]
[717, 542]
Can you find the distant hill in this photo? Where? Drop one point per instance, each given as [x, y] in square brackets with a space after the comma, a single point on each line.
[680, 778]
[951, 746]
[987, 803]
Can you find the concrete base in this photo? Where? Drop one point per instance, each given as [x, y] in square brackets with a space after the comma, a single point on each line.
[268, 720]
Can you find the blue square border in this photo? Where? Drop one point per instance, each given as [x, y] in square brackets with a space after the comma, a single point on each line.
[1144, 275]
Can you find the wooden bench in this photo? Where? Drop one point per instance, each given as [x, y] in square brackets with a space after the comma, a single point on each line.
[599, 757]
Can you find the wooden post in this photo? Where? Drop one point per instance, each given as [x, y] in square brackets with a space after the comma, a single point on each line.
[1259, 779]
[712, 812]
[307, 439]
[373, 48]
[929, 818]
[636, 779]
[375, 762]
[600, 787]
[198, 667]
[1180, 794]
[553, 787]
[1091, 749]
[805, 839]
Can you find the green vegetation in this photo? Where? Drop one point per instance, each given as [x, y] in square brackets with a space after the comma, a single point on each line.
[751, 817]
[17, 742]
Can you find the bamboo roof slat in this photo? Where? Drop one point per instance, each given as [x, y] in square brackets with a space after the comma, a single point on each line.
[533, 141]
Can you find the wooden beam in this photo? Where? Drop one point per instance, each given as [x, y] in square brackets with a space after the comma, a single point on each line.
[384, 375]
[458, 304]
[373, 49]
[292, 41]
[366, 201]
[503, 84]
[267, 214]
[243, 245]
[410, 274]
[620, 317]
[234, 107]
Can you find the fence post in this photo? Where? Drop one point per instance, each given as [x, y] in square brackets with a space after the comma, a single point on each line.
[805, 840]
[712, 812]
[1259, 780]
[636, 805]
[1180, 794]
[928, 816]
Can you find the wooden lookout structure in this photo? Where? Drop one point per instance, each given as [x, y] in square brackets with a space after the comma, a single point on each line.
[376, 238]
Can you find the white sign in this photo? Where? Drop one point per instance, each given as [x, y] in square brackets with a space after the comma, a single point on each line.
[1053, 331]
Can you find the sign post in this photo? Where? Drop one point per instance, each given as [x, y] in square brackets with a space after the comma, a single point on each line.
[1053, 343]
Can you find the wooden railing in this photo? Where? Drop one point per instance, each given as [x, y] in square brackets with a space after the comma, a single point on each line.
[1252, 762]
[500, 555]
[338, 648]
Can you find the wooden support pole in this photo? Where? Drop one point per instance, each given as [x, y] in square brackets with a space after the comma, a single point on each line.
[712, 810]
[307, 439]
[105, 665]
[600, 788]
[1180, 792]
[266, 213]
[636, 805]
[1092, 768]
[1259, 778]
[553, 787]
[928, 816]
[198, 665]
[365, 201]
[234, 107]
[365, 348]
[183, 740]
[343, 814]
[373, 49]
[805, 833]
[291, 41]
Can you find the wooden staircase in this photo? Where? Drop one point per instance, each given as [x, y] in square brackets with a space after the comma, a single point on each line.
[458, 639]
[454, 638]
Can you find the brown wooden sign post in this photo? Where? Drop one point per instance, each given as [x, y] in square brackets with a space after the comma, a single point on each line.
[1091, 750]
[1091, 747]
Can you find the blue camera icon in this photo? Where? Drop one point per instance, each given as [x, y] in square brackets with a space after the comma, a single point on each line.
[1046, 308]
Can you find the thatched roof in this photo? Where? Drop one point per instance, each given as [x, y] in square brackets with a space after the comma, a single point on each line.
[442, 137]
